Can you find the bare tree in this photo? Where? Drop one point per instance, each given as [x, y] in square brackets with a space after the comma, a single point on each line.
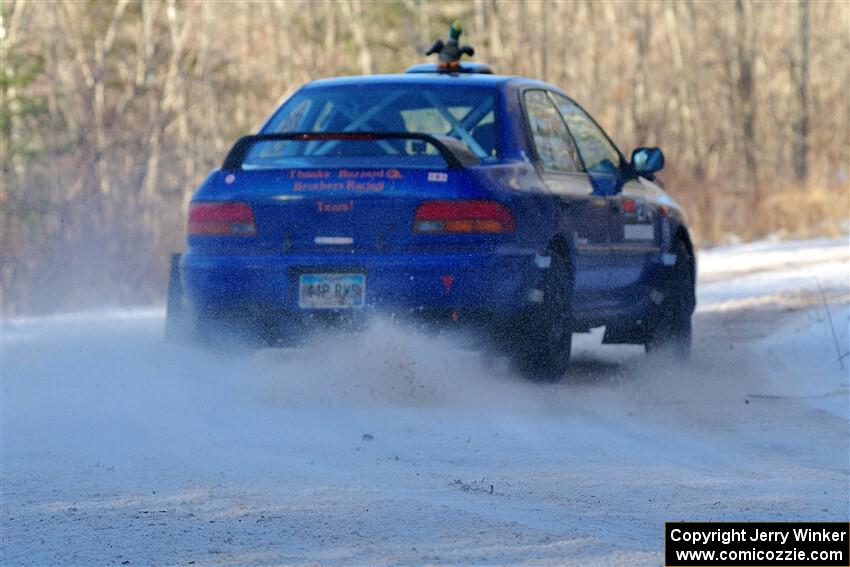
[801, 138]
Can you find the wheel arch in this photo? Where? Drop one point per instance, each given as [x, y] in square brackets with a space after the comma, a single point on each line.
[683, 235]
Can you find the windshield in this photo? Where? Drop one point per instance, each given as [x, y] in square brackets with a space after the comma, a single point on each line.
[467, 114]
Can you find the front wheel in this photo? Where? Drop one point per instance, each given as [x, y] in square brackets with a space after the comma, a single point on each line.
[542, 340]
[672, 329]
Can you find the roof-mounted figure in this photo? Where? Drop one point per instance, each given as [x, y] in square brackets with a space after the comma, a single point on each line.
[449, 53]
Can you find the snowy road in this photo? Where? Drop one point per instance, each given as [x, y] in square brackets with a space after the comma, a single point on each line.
[389, 447]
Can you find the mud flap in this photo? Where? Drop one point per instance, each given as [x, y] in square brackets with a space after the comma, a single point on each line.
[177, 316]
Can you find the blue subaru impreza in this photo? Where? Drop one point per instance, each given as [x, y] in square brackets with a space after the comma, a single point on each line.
[459, 197]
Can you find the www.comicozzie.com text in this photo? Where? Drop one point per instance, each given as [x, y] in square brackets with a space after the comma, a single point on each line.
[727, 536]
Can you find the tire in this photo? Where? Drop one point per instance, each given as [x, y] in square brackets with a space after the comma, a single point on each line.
[672, 329]
[542, 339]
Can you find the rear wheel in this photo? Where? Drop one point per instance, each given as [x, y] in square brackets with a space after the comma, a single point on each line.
[672, 328]
[542, 341]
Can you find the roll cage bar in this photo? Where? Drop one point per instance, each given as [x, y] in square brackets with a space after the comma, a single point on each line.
[460, 127]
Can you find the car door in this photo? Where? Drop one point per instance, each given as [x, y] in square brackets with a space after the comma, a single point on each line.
[632, 223]
[583, 214]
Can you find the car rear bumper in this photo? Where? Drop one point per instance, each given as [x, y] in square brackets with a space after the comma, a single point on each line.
[487, 281]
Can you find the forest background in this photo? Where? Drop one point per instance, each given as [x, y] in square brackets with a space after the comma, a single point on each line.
[112, 112]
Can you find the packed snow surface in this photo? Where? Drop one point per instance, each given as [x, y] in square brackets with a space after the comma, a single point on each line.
[392, 446]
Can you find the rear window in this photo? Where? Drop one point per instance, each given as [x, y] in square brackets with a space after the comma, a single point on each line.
[348, 149]
[467, 114]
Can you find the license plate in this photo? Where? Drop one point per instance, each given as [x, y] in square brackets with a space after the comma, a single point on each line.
[331, 291]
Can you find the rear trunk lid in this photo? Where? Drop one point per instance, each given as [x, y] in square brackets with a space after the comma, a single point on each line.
[342, 208]
[318, 204]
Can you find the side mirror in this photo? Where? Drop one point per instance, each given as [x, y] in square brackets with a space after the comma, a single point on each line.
[647, 161]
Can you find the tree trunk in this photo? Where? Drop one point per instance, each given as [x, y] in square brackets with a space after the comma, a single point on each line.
[801, 135]
[746, 101]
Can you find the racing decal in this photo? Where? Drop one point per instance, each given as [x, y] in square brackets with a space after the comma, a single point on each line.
[369, 174]
[309, 174]
[363, 180]
[230, 179]
[438, 176]
[320, 186]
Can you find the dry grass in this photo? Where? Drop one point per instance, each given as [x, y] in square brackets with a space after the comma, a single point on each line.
[806, 212]
[720, 214]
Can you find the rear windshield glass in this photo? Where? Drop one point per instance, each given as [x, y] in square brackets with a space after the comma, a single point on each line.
[467, 114]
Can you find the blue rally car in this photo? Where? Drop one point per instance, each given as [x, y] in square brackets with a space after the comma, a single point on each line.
[461, 196]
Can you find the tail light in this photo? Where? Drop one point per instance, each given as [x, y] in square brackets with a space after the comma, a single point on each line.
[221, 219]
[441, 217]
